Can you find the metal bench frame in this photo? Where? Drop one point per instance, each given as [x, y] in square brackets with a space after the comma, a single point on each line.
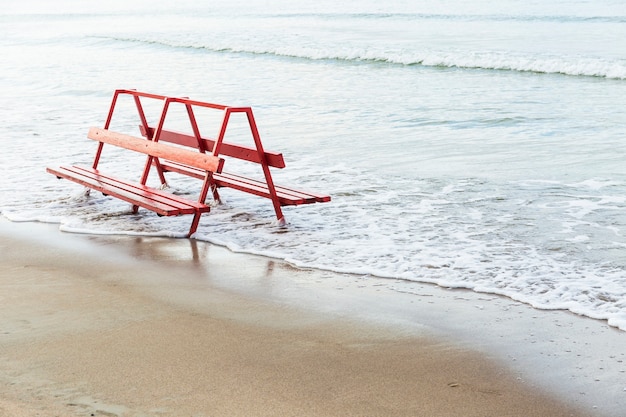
[279, 195]
[188, 154]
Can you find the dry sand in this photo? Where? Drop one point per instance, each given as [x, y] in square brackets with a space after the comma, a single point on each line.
[96, 326]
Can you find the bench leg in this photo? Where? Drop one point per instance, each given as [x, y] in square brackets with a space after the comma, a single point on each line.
[194, 223]
[280, 218]
[216, 194]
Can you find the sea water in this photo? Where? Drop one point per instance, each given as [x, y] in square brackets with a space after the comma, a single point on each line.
[477, 145]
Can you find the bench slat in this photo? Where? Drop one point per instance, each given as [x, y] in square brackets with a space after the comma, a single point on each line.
[162, 203]
[287, 196]
[291, 196]
[245, 153]
[160, 196]
[260, 189]
[199, 160]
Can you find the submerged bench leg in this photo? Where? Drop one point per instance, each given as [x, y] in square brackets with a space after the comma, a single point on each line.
[216, 194]
[194, 223]
[280, 218]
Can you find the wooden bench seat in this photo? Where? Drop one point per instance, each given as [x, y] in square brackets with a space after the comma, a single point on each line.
[137, 193]
[159, 201]
[286, 196]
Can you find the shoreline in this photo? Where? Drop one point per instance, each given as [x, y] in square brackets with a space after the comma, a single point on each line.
[77, 312]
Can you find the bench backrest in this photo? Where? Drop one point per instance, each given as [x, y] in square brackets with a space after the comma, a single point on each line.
[250, 154]
[206, 162]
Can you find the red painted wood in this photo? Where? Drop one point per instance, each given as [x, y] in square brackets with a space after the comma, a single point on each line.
[245, 153]
[266, 169]
[287, 196]
[161, 202]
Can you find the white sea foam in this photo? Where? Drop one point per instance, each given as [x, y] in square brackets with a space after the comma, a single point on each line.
[483, 60]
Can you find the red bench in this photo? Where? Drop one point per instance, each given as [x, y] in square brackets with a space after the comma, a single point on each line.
[137, 193]
[192, 155]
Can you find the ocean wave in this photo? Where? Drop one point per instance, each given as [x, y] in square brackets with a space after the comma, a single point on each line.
[489, 60]
[454, 17]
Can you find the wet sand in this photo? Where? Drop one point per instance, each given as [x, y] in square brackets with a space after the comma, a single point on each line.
[123, 326]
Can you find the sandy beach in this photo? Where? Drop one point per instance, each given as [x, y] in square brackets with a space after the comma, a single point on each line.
[129, 326]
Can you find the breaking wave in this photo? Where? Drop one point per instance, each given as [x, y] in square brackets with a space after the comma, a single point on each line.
[483, 60]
